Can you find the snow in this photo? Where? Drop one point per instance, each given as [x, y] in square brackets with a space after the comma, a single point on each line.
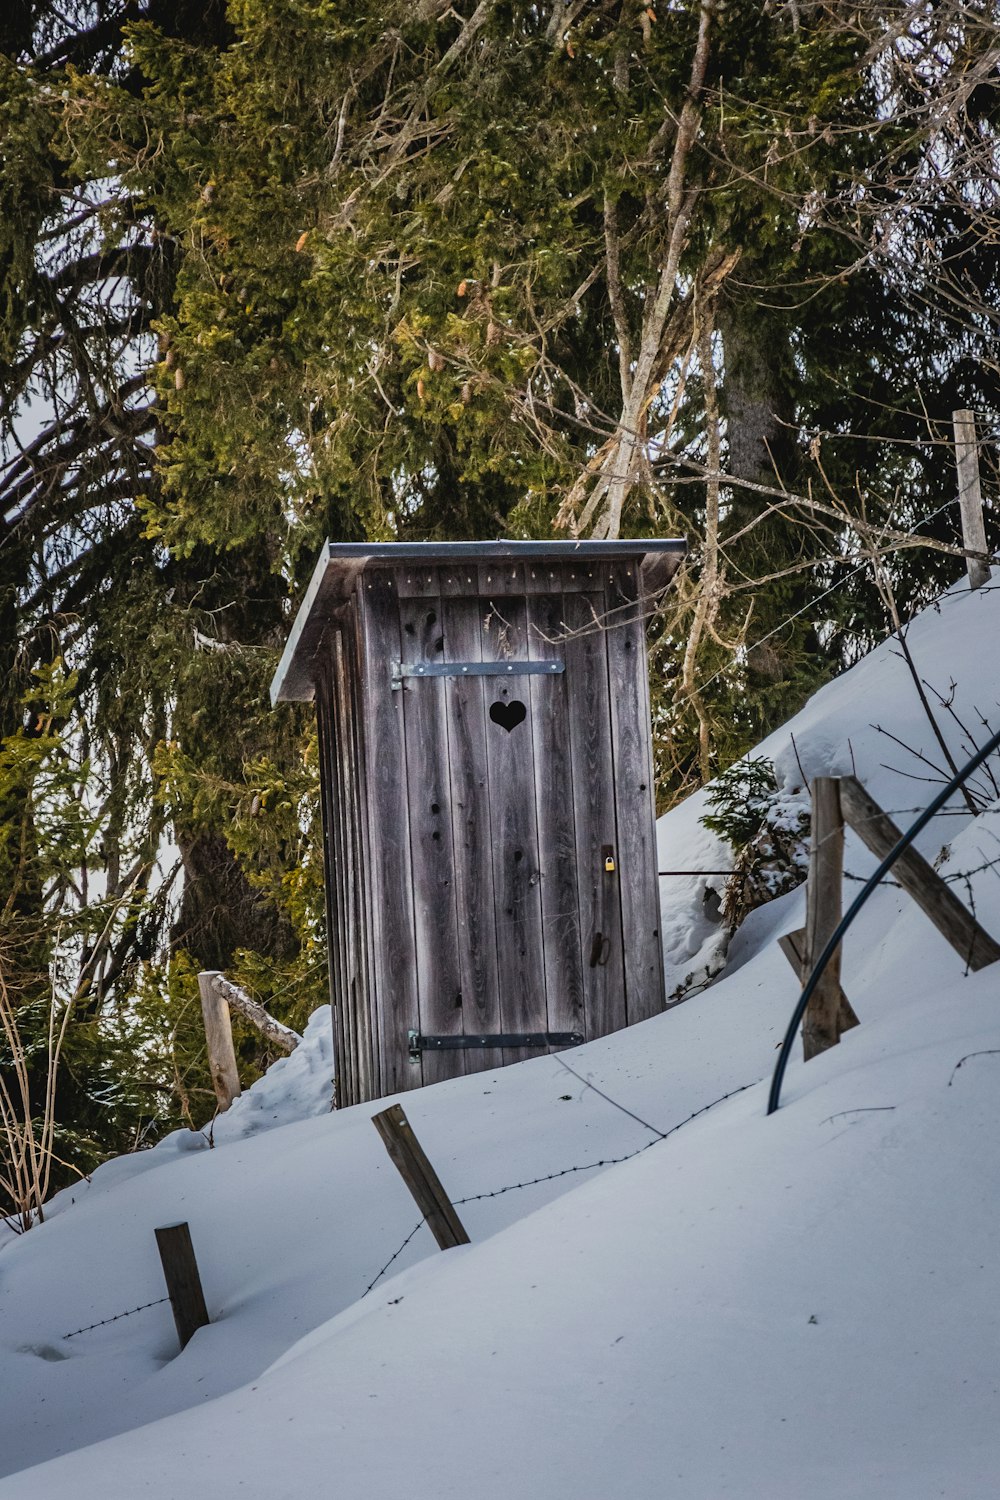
[694, 943]
[786, 1306]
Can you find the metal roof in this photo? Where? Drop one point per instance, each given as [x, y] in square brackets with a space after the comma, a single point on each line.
[340, 565]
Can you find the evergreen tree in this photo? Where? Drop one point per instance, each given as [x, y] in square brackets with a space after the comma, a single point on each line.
[413, 271]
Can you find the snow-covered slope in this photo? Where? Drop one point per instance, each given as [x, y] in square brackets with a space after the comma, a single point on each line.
[800, 1305]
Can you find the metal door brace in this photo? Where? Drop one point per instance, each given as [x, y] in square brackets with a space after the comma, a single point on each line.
[401, 669]
[420, 1043]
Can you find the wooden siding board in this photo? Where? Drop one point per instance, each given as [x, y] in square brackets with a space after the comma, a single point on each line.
[329, 791]
[439, 977]
[352, 639]
[473, 844]
[417, 581]
[356, 876]
[389, 837]
[454, 934]
[586, 655]
[629, 673]
[556, 818]
[342, 875]
[459, 581]
[356, 1013]
[501, 578]
[543, 576]
[510, 778]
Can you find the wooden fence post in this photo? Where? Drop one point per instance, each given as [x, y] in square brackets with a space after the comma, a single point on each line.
[822, 1022]
[793, 946]
[219, 1037]
[420, 1177]
[180, 1270]
[920, 880]
[280, 1036]
[970, 497]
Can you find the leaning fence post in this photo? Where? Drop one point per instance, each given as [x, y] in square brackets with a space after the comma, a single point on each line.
[420, 1177]
[219, 1039]
[936, 900]
[180, 1270]
[821, 1024]
[236, 998]
[970, 497]
[793, 946]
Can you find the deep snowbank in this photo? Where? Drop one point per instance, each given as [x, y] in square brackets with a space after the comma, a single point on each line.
[799, 1309]
[793, 1306]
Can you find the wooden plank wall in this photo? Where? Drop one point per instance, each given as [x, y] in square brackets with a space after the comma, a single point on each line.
[471, 823]
[634, 794]
[555, 803]
[355, 1024]
[354, 767]
[346, 864]
[465, 862]
[429, 806]
[586, 654]
[389, 834]
[510, 774]
[331, 785]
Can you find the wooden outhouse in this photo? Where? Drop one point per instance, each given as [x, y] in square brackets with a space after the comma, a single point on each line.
[487, 794]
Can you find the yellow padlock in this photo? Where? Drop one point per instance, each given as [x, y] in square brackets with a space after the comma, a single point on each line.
[609, 861]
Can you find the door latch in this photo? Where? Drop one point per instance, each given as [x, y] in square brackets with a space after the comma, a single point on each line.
[600, 950]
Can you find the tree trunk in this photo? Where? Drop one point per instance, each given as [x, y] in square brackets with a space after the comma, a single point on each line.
[756, 394]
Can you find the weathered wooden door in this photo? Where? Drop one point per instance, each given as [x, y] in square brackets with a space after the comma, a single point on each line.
[510, 789]
[487, 783]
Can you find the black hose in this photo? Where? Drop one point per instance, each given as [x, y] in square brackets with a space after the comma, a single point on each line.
[852, 911]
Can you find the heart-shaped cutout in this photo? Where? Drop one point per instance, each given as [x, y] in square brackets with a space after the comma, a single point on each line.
[508, 715]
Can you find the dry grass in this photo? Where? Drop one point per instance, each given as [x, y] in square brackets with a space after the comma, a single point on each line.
[27, 1131]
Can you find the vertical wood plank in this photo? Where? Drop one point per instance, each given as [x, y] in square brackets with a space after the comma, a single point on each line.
[793, 946]
[824, 905]
[330, 792]
[556, 817]
[589, 707]
[516, 874]
[371, 1081]
[355, 1019]
[439, 977]
[416, 580]
[970, 497]
[219, 1041]
[413, 1165]
[389, 835]
[180, 1271]
[501, 579]
[470, 804]
[544, 575]
[353, 873]
[633, 756]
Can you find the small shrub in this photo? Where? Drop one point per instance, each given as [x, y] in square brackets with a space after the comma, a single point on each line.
[768, 830]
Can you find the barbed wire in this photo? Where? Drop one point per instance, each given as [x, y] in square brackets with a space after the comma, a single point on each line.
[395, 1256]
[103, 1322]
[589, 1083]
[606, 1161]
[950, 879]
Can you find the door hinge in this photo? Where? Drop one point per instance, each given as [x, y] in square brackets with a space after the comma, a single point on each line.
[402, 669]
[420, 1043]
